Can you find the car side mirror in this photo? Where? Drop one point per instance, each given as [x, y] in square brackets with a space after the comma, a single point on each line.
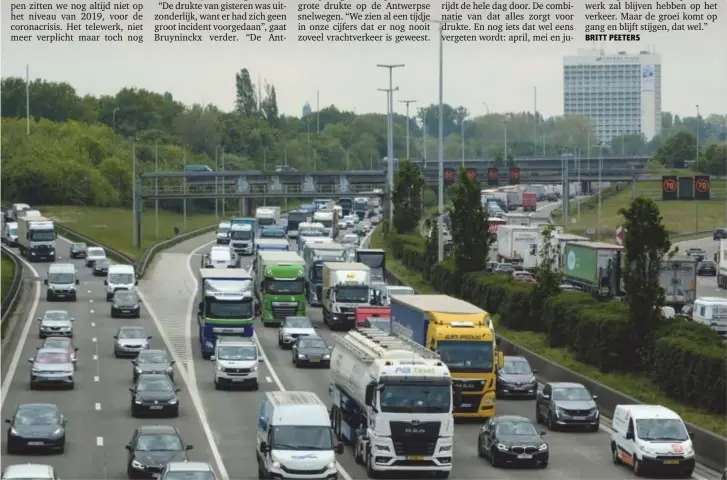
[134, 362]
[177, 390]
[340, 449]
[75, 349]
[45, 281]
[691, 433]
[148, 338]
[78, 282]
[629, 435]
[543, 433]
[261, 359]
[213, 358]
[264, 447]
[136, 282]
[535, 370]
[132, 390]
[116, 337]
[40, 319]
[189, 447]
[128, 446]
[546, 397]
[595, 397]
[7, 420]
[30, 360]
[105, 282]
[172, 362]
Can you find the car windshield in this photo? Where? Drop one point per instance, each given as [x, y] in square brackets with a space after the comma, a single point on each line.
[516, 367]
[56, 343]
[132, 333]
[413, 397]
[237, 352]
[189, 475]
[571, 394]
[121, 278]
[666, 429]
[290, 437]
[223, 230]
[125, 297]
[314, 343]
[13, 231]
[467, 356]
[151, 356]
[29, 416]
[298, 323]
[78, 247]
[241, 234]
[515, 428]
[52, 357]
[708, 263]
[61, 278]
[56, 315]
[96, 252]
[155, 385]
[102, 263]
[159, 443]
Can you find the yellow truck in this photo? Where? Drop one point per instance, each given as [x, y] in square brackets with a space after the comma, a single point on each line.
[462, 335]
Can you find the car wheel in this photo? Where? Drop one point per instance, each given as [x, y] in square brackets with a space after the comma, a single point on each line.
[134, 413]
[538, 418]
[494, 460]
[113, 315]
[280, 342]
[550, 423]
[48, 297]
[175, 413]
[637, 466]
[72, 386]
[217, 385]
[256, 386]
[614, 455]
[480, 453]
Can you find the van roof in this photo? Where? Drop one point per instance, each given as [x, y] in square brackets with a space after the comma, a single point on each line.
[61, 267]
[121, 268]
[298, 408]
[638, 412]
[246, 341]
[294, 398]
[280, 256]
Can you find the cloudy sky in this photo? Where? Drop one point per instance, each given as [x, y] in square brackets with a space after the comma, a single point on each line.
[481, 76]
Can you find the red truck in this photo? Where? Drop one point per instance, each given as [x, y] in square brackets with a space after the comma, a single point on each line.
[370, 316]
[530, 202]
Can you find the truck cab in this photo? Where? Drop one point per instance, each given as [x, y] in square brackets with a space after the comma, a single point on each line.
[14, 212]
[326, 218]
[345, 287]
[267, 216]
[279, 285]
[314, 256]
[37, 237]
[242, 239]
[220, 257]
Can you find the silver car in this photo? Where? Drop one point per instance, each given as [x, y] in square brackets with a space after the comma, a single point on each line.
[187, 470]
[29, 470]
[55, 323]
[153, 361]
[129, 341]
[93, 254]
[52, 367]
[292, 328]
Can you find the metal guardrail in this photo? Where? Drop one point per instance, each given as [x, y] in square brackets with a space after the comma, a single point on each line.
[710, 448]
[13, 294]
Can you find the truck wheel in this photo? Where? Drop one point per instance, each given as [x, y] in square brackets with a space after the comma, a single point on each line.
[370, 472]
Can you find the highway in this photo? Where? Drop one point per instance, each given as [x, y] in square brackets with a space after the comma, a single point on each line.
[97, 410]
[706, 286]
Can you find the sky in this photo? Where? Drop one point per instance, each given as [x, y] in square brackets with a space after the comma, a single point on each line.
[494, 77]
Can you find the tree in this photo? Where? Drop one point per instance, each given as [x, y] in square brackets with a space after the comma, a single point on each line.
[269, 105]
[407, 197]
[470, 229]
[714, 160]
[676, 149]
[245, 94]
[431, 247]
[547, 275]
[499, 160]
[646, 241]
[510, 161]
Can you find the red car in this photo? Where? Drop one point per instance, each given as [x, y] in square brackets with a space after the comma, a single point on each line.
[64, 343]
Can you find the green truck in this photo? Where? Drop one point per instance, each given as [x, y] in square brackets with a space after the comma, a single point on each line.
[279, 285]
[593, 267]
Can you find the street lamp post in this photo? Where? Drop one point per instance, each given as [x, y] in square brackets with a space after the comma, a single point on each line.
[390, 135]
[133, 195]
[600, 188]
[696, 158]
[407, 103]
[113, 119]
[156, 187]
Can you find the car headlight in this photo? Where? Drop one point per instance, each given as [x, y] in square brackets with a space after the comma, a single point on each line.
[209, 344]
[559, 411]
[138, 370]
[13, 431]
[326, 357]
[445, 448]
[689, 452]
[136, 464]
[114, 305]
[383, 448]
[137, 401]
[646, 450]
[330, 466]
[502, 448]
[543, 447]
[300, 355]
[219, 368]
[36, 371]
[169, 369]
[276, 464]
[253, 368]
[58, 432]
[173, 401]
[533, 380]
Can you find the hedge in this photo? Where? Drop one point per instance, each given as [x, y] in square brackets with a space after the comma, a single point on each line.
[688, 359]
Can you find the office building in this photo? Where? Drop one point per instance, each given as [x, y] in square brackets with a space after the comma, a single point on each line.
[620, 93]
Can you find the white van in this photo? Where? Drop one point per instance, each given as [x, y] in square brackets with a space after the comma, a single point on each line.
[61, 281]
[223, 233]
[294, 434]
[10, 234]
[14, 212]
[651, 438]
[711, 311]
[120, 277]
[236, 360]
[220, 256]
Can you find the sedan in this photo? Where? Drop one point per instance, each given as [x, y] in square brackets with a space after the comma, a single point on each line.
[24, 471]
[77, 250]
[188, 471]
[93, 254]
[129, 341]
[126, 303]
[153, 361]
[523, 276]
[62, 343]
[55, 323]
[512, 440]
[152, 447]
[516, 378]
[707, 268]
[154, 394]
[720, 234]
[562, 404]
[504, 268]
[292, 328]
[311, 351]
[52, 367]
[35, 427]
[695, 252]
[101, 267]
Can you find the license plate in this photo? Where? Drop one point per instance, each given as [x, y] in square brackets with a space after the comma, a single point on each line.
[580, 418]
[524, 456]
[238, 379]
[415, 458]
[126, 310]
[156, 407]
[35, 444]
[671, 462]
[315, 360]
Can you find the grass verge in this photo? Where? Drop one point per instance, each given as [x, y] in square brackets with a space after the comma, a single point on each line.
[113, 227]
[7, 271]
[639, 387]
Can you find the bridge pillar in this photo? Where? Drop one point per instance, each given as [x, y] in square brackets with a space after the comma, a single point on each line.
[586, 187]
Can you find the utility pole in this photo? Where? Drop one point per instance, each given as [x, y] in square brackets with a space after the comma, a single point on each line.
[27, 99]
[390, 135]
[156, 188]
[535, 121]
[222, 158]
[184, 201]
[407, 103]
[318, 112]
[133, 196]
[696, 159]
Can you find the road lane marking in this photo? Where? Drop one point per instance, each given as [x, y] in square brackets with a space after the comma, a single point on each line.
[268, 379]
[90, 300]
[95, 357]
[93, 324]
[95, 378]
[98, 406]
[89, 291]
[93, 311]
[93, 339]
[99, 441]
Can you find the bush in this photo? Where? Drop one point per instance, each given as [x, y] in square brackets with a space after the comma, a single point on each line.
[515, 310]
[683, 327]
[691, 372]
[601, 333]
[562, 313]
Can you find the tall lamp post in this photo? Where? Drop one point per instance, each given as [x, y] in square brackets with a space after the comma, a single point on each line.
[390, 136]
[407, 103]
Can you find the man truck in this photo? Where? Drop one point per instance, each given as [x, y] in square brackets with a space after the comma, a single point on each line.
[242, 238]
[345, 287]
[361, 207]
[279, 285]
[346, 205]
[225, 306]
[37, 238]
[462, 335]
[392, 401]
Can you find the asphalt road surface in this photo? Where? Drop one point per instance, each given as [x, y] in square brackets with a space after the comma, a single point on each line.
[706, 286]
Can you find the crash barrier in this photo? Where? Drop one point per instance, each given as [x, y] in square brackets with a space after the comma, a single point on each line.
[11, 298]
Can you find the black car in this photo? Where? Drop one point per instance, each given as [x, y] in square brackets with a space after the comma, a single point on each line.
[154, 394]
[101, 267]
[516, 378]
[152, 447]
[720, 234]
[126, 303]
[153, 361]
[562, 404]
[35, 427]
[707, 268]
[311, 351]
[77, 250]
[512, 440]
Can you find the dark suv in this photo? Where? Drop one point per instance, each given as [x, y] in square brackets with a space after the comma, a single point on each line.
[720, 234]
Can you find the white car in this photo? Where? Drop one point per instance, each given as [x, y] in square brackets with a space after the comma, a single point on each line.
[236, 361]
[187, 470]
[55, 323]
[24, 471]
[93, 254]
[292, 328]
[350, 239]
[395, 290]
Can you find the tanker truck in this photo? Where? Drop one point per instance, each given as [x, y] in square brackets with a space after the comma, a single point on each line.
[392, 402]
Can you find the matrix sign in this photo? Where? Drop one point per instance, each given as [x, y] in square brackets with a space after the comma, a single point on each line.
[514, 176]
[702, 187]
[686, 188]
[669, 187]
[449, 176]
[493, 177]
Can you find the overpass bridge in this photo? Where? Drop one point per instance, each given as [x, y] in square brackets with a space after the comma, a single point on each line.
[552, 162]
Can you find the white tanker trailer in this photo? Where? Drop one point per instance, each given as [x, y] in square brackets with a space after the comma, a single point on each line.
[392, 401]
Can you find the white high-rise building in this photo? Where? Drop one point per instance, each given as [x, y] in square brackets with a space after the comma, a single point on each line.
[620, 93]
